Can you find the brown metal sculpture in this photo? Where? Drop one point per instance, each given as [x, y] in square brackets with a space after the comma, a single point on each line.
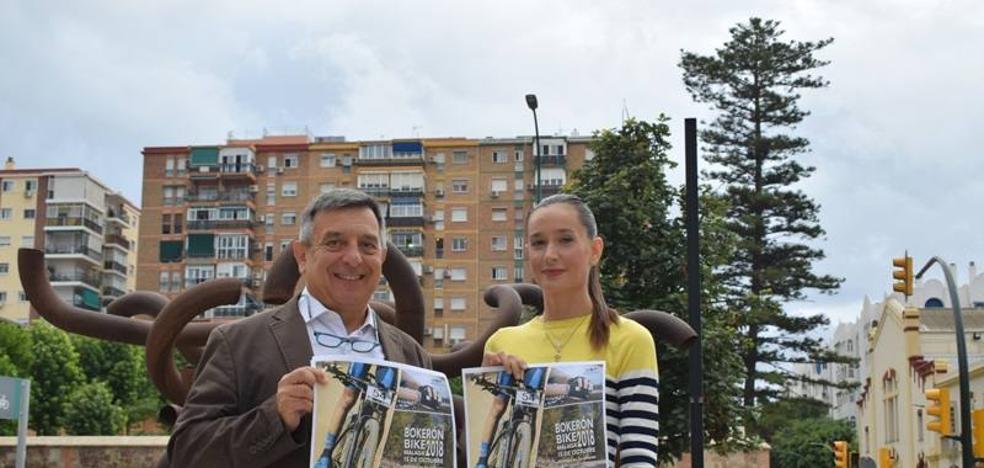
[149, 319]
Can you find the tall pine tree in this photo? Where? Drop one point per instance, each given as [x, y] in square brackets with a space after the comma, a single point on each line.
[753, 85]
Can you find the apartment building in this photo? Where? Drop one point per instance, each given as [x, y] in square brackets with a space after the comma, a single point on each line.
[87, 231]
[454, 207]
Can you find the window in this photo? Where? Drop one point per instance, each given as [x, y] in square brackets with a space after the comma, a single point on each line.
[498, 214]
[289, 189]
[29, 213]
[326, 187]
[456, 335]
[198, 274]
[518, 274]
[178, 226]
[498, 243]
[271, 193]
[290, 161]
[289, 218]
[3, 297]
[285, 244]
[376, 151]
[234, 247]
[411, 208]
[165, 224]
[891, 407]
[27, 242]
[438, 278]
[459, 244]
[176, 280]
[438, 303]
[499, 273]
[268, 251]
[458, 303]
[171, 251]
[8, 185]
[4, 241]
[374, 182]
[459, 185]
[268, 219]
[272, 163]
[459, 157]
[518, 247]
[459, 274]
[327, 160]
[4, 268]
[499, 157]
[459, 215]
[499, 185]
[407, 181]
[553, 176]
[30, 186]
[6, 214]
[165, 282]
[518, 185]
[182, 164]
[22, 296]
[518, 155]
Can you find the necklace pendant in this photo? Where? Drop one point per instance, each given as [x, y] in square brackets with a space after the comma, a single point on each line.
[556, 357]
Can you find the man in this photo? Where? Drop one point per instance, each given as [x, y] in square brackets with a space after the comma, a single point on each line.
[251, 402]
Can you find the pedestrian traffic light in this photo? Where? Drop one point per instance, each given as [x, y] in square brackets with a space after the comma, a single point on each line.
[841, 457]
[978, 430]
[939, 406]
[902, 273]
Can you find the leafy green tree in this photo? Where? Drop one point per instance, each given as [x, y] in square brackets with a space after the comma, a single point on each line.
[643, 267]
[89, 410]
[15, 349]
[753, 83]
[55, 373]
[808, 443]
[775, 416]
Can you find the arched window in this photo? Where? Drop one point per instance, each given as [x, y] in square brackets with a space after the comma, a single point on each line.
[933, 303]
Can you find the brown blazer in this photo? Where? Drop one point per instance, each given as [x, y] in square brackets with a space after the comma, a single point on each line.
[230, 416]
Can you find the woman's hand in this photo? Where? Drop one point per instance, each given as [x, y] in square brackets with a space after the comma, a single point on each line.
[513, 364]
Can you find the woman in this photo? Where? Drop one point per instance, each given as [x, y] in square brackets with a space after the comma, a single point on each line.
[563, 250]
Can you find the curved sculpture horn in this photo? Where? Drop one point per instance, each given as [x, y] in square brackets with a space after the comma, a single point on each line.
[278, 287]
[150, 304]
[34, 279]
[665, 327]
[170, 322]
[509, 305]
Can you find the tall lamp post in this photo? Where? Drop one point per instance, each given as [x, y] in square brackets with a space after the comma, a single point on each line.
[532, 104]
[967, 447]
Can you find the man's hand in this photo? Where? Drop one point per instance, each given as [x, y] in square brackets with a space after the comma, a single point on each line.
[295, 394]
[513, 364]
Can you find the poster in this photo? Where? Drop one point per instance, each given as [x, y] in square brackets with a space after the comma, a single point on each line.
[553, 417]
[375, 413]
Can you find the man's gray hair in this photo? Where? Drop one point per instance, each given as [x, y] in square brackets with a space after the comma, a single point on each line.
[337, 199]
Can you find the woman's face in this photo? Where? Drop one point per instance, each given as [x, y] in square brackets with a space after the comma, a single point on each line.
[559, 252]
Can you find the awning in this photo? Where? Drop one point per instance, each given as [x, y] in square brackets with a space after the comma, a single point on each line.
[89, 298]
[204, 157]
[171, 251]
[408, 147]
[201, 245]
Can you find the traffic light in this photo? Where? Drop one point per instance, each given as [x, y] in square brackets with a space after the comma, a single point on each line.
[885, 458]
[903, 273]
[939, 406]
[841, 457]
[978, 430]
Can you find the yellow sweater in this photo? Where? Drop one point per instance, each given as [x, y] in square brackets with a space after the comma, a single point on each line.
[631, 383]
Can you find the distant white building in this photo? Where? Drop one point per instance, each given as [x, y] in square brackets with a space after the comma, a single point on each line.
[849, 339]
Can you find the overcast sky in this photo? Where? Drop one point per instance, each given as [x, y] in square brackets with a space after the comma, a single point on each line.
[89, 84]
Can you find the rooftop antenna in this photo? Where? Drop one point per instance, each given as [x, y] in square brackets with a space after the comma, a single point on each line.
[625, 111]
[415, 129]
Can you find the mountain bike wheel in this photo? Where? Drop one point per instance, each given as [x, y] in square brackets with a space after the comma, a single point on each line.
[345, 448]
[522, 443]
[368, 440]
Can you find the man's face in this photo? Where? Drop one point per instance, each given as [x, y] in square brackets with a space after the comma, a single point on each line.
[345, 259]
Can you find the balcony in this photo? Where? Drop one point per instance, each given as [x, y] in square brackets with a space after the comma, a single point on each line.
[116, 239]
[226, 196]
[238, 170]
[112, 291]
[77, 249]
[551, 160]
[209, 224]
[548, 188]
[407, 192]
[396, 159]
[411, 250]
[86, 278]
[378, 192]
[71, 221]
[118, 217]
[112, 265]
[405, 221]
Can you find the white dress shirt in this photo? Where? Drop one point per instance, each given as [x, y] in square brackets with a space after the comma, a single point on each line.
[321, 319]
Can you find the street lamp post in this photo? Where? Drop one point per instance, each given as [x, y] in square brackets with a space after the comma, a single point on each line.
[967, 448]
[532, 104]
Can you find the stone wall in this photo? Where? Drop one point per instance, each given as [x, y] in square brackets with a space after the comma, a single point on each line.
[86, 451]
